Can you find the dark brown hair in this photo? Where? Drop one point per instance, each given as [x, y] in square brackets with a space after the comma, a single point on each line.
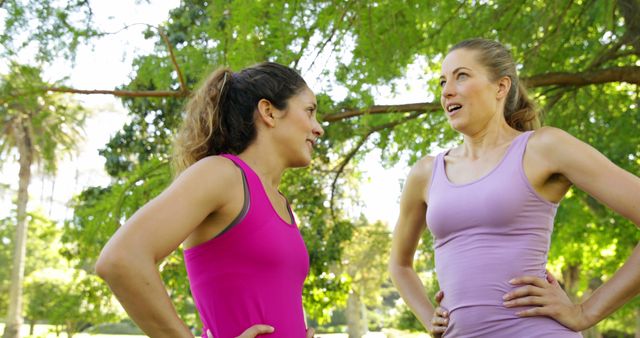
[220, 114]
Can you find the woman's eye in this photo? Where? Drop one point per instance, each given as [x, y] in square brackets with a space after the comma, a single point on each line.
[462, 76]
[442, 83]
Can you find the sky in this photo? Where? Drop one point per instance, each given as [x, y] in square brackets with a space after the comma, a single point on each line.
[104, 64]
[107, 63]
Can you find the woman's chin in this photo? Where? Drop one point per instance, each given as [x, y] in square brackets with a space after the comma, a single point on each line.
[301, 161]
[457, 125]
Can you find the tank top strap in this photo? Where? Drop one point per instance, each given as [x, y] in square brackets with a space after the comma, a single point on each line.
[258, 195]
[240, 163]
[437, 173]
[253, 181]
[516, 152]
[438, 166]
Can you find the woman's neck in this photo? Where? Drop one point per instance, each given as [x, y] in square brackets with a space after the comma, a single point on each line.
[265, 162]
[486, 139]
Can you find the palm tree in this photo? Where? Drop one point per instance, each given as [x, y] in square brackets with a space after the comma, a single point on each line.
[37, 127]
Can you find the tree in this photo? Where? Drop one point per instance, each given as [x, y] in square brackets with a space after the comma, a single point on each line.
[43, 246]
[579, 60]
[69, 298]
[365, 261]
[565, 59]
[39, 127]
[51, 28]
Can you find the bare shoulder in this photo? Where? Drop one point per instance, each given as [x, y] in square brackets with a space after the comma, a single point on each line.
[565, 154]
[547, 138]
[422, 169]
[417, 183]
[211, 167]
[554, 146]
[588, 169]
[210, 175]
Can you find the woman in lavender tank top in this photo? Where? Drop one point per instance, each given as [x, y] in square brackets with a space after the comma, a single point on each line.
[246, 260]
[490, 204]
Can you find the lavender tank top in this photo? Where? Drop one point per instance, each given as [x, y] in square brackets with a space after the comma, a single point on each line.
[487, 232]
[253, 272]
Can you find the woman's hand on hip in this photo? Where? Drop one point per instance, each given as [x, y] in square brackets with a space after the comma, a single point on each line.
[310, 332]
[548, 299]
[440, 319]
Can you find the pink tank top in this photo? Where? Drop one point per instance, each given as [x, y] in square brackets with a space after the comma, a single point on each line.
[251, 273]
[487, 232]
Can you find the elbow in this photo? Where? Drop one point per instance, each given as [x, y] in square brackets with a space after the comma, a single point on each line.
[103, 266]
[108, 265]
[394, 269]
[399, 268]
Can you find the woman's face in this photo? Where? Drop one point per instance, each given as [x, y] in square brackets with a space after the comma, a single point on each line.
[469, 98]
[299, 128]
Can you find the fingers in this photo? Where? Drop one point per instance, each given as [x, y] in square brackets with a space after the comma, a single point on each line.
[524, 292]
[525, 301]
[310, 332]
[437, 330]
[534, 286]
[441, 312]
[551, 278]
[536, 311]
[256, 330]
[439, 322]
[439, 296]
[531, 280]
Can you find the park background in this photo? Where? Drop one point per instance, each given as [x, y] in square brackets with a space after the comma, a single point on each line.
[91, 93]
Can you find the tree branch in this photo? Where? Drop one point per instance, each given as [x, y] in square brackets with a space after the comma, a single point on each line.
[610, 53]
[383, 109]
[357, 147]
[183, 86]
[121, 93]
[630, 74]
[331, 36]
[555, 98]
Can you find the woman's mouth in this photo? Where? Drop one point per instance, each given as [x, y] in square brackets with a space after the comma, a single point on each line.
[453, 108]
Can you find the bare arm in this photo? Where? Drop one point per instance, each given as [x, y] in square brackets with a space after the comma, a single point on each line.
[129, 260]
[406, 236]
[592, 172]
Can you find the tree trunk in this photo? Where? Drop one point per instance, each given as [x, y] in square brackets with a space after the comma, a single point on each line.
[356, 316]
[70, 329]
[571, 277]
[14, 319]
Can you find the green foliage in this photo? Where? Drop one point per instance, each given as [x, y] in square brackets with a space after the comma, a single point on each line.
[72, 299]
[53, 121]
[364, 46]
[50, 27]
[100, 211]
[42, 250]
[365, 260]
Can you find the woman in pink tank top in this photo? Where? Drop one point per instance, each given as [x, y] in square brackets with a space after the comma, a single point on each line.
[246, 260]
[490, 204]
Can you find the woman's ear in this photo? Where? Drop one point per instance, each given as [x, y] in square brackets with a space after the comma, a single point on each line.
[504, 84]
[265, 112]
